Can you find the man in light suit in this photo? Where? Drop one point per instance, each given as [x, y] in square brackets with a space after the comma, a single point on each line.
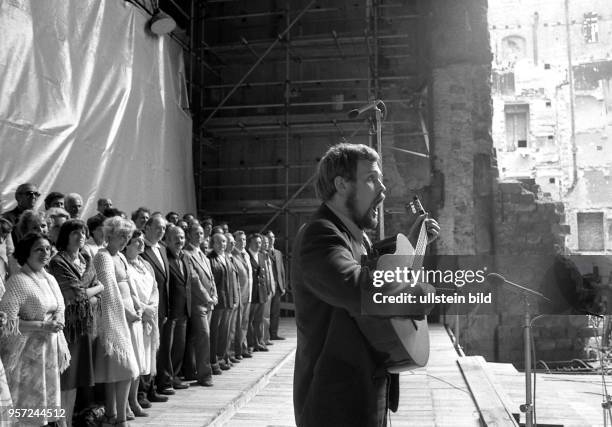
[278, 269]
[155, 254]
[203, 299]
[245, 278]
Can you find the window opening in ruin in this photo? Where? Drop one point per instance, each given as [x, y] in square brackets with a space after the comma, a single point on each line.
[590, 28]
[591, 231]
[516, 126]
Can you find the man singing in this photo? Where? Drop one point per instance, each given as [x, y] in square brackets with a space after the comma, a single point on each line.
[337, 380]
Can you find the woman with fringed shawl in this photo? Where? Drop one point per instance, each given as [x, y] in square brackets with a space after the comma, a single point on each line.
[33, 348]
[115, 361]
[76, 277]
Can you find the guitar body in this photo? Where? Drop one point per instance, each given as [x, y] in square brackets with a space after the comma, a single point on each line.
[402, 343]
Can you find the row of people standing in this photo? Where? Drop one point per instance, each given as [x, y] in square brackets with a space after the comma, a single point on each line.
[113, 307]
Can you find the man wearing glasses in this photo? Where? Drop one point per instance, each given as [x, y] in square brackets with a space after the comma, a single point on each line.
[26, 195]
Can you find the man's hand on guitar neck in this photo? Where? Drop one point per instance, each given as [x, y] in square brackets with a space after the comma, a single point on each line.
[431, 225]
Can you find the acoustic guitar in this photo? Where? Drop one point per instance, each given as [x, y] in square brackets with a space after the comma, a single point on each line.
[401, 343]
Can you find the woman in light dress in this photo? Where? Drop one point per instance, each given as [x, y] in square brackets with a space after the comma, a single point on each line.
[142, 278]
[32, 347]
[116, 364]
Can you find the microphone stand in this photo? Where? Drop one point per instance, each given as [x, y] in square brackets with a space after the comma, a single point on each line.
[526, 407]
[381, 210]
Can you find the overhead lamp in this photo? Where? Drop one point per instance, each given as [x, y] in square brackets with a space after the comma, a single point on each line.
[161, 23]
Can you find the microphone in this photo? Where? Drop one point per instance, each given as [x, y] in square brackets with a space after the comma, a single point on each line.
[353, 114]
[497, 280]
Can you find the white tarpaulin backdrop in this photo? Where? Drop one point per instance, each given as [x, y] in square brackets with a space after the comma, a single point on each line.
[91, 102]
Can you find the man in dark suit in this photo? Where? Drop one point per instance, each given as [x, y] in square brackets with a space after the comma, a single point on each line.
[245, 279]
[278, 269]
[338, 379]
[259, 295]
[219, 323]
[181, 277]
[155, 254]
[203, 299]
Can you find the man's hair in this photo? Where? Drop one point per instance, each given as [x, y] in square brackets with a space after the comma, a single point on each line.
[138, 211]
[54, 195]
[217, 229]
[239, 233]
[252, 237]
[340, 160]
[169, 214]
[63, 238]
[154, 216]
[206, 220]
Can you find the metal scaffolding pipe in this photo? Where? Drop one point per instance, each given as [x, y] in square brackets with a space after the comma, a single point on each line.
[288, 202]
[297, 104]
[261, 58]
[312, 82]
[315, 40]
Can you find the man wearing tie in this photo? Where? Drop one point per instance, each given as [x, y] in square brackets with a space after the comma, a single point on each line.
[203, 299]
[245, 277]
[155, 254]
[181, 276]
[278, 269]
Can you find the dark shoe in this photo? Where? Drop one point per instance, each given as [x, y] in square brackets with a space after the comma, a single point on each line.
[269, 343]
[216, 370]
[144, 403]
[239, 357]
[129, 415]
[247, 355]
[177, 385]
[234, 359]
[223, 366]
[256, 348]
[277, 338]
[156, 398]
[167, 391]
[205, 383]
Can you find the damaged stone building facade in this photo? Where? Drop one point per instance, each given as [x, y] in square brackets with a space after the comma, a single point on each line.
[552, 96]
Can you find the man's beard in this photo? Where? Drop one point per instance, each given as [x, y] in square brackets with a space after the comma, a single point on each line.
[369, 220]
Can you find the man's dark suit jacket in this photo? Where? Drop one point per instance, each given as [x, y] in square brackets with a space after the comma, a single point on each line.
[161, 277]
[224, 283]
[180, 285]
[337, 380]
[277, 264]
[259, 292]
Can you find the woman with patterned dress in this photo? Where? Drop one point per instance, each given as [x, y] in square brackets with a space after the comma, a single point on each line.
[144, 285]
[76, 277]
[115, 361]
[5, 394]
[33, 348]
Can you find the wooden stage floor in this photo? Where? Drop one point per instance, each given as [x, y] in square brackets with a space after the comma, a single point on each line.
[258, 393]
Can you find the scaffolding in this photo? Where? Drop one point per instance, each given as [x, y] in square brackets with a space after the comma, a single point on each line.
[270, 88]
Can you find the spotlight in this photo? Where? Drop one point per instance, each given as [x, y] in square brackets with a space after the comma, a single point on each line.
[161, 23]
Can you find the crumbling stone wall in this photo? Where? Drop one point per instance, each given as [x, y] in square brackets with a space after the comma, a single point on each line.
[479, 216]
